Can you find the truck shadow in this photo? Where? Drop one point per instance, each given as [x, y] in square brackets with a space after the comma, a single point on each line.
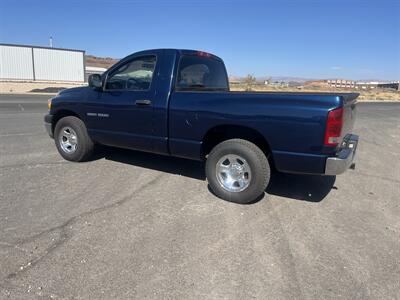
[309, 188]
[166, 164]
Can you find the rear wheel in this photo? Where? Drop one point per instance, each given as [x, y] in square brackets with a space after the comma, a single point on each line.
[237, 171]
[72, 140]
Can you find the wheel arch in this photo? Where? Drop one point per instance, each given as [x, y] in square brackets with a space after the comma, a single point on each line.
[61, 114]
[220, 133]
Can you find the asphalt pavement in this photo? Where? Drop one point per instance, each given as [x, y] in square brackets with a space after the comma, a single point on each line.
[130, 225]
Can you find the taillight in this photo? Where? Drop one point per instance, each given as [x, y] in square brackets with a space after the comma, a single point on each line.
[203, 54]
[334, 126]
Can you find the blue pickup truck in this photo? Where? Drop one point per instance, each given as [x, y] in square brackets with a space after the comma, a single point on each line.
[178, 103]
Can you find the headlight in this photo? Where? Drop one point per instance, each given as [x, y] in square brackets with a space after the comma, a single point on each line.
[49, 103]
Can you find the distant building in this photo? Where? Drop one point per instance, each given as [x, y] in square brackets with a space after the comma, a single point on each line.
[389, 85]
[276, 83]
[33, 63]
[341, 83]
[353, 84]
[366, 85]
[89, 70]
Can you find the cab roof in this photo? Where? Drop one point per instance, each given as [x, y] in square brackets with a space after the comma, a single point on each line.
[179, 51]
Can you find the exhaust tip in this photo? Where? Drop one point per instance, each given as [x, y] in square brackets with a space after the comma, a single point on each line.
[353, 166]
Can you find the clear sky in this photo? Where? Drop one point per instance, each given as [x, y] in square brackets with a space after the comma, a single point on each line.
[355, 39]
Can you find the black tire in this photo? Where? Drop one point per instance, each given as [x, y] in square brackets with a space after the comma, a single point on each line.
[256, 160]
[84, 145]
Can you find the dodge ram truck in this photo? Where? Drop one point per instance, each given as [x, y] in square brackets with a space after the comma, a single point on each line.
[178, 103]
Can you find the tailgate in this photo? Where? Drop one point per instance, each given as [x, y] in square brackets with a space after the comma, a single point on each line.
[349, 112]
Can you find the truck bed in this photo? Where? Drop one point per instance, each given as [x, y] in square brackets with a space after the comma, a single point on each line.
[292, 123]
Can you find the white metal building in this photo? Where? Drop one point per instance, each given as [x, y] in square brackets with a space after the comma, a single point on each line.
[89, 70]
[20, 62]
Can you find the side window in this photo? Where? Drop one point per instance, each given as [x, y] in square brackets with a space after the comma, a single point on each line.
[201, 73]
[134, 75]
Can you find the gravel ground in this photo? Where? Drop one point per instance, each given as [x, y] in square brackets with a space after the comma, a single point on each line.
[130, 225]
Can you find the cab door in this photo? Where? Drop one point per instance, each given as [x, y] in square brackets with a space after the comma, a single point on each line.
[121, 113]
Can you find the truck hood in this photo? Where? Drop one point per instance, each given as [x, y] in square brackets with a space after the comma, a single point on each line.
[79, 89]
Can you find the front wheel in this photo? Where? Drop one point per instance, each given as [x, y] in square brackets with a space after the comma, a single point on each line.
[237, 171]
[72, 140]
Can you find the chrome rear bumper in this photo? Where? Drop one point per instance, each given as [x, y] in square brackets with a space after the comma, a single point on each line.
[344, 159]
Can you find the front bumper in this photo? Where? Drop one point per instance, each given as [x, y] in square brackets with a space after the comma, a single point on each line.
[344, 159]
[48, 124]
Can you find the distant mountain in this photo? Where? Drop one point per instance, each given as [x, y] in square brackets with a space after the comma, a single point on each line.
[101, 62]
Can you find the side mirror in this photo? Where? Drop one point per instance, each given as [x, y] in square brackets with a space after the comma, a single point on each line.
[94, 80]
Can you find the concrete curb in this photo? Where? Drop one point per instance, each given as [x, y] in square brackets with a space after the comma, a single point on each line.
[27, 93]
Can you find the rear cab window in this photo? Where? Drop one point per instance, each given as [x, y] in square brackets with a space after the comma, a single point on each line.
[201, 72]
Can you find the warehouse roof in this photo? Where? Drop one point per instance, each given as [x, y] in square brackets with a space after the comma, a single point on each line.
[41, 47]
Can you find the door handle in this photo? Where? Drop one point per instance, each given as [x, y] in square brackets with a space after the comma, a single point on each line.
[142, 102]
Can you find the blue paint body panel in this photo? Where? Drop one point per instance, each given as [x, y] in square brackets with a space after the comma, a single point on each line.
[176, 122]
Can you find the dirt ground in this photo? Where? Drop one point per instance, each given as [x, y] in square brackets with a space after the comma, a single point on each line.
[15, 87]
